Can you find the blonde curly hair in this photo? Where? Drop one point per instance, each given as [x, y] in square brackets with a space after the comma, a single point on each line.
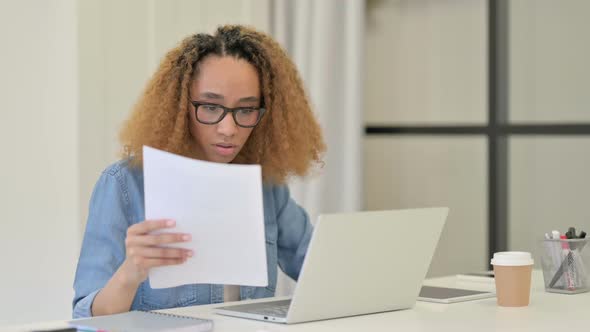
[288, 139]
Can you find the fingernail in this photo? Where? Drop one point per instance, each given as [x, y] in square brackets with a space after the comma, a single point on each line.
[186, 237]
[189, 253]
[170, 222]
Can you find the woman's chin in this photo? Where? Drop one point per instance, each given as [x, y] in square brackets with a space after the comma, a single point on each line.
[224, 159]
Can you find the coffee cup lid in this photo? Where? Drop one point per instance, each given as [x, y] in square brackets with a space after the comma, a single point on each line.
[512, 258]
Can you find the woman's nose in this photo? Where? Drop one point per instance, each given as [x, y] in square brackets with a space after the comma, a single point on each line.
[227, 126]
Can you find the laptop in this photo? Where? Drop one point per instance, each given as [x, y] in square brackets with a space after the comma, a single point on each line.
[357, 263]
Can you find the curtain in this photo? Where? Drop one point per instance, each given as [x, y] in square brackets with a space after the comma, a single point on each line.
[325, 40]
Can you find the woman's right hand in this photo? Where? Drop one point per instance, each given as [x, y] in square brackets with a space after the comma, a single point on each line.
[144, 250]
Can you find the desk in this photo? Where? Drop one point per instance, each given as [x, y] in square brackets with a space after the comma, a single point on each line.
[547, 312]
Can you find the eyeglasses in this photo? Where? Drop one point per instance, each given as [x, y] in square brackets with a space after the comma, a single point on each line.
[246, 117]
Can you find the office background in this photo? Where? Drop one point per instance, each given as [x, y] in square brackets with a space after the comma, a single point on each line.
[427, 74]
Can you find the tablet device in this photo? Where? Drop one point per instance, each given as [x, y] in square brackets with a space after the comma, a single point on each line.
[486, 276]
[451, 295]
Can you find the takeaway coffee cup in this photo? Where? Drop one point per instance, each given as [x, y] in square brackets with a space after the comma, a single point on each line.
[512, 272]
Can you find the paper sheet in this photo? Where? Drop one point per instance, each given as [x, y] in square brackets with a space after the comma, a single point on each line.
[220, 205]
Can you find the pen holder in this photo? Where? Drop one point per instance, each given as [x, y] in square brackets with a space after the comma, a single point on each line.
[566, 264]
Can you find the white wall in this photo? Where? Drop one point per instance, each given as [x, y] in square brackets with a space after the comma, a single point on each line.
[549, 189]
[549, 182]
[411, 172]
[426, 63]
[71, 71]
[39, 168]
[549, 61]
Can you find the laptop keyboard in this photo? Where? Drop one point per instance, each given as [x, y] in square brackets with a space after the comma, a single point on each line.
[274, 309]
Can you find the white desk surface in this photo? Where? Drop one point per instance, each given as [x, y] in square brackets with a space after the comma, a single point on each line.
[547, 312]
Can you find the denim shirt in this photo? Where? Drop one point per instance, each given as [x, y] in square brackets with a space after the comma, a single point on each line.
[117, 202]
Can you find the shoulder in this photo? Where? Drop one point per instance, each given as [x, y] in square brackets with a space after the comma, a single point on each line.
[124, 172]
[122, 176]
[119, 188]
[122, 168]
[279, 194]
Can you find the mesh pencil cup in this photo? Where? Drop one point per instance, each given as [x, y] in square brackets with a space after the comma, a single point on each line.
[565, 265]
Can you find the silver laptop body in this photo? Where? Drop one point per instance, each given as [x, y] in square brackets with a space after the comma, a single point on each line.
[357, 263]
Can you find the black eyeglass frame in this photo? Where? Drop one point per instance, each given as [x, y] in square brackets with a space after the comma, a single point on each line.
[226, 110]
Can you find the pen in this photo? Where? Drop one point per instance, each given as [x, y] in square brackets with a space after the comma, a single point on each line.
[566, 253]
[568, 259]
[549, 247]
[556, 253]
[572, 232]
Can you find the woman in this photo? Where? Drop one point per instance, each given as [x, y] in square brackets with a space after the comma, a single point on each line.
[232, 97]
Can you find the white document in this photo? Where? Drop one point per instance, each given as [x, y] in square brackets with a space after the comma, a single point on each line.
[220, 205]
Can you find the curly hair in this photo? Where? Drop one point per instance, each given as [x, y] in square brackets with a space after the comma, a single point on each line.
[288, 139]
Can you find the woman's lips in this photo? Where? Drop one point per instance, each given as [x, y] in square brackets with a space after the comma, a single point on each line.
[225, 149]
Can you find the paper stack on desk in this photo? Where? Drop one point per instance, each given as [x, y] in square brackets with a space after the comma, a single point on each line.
[220, 205]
